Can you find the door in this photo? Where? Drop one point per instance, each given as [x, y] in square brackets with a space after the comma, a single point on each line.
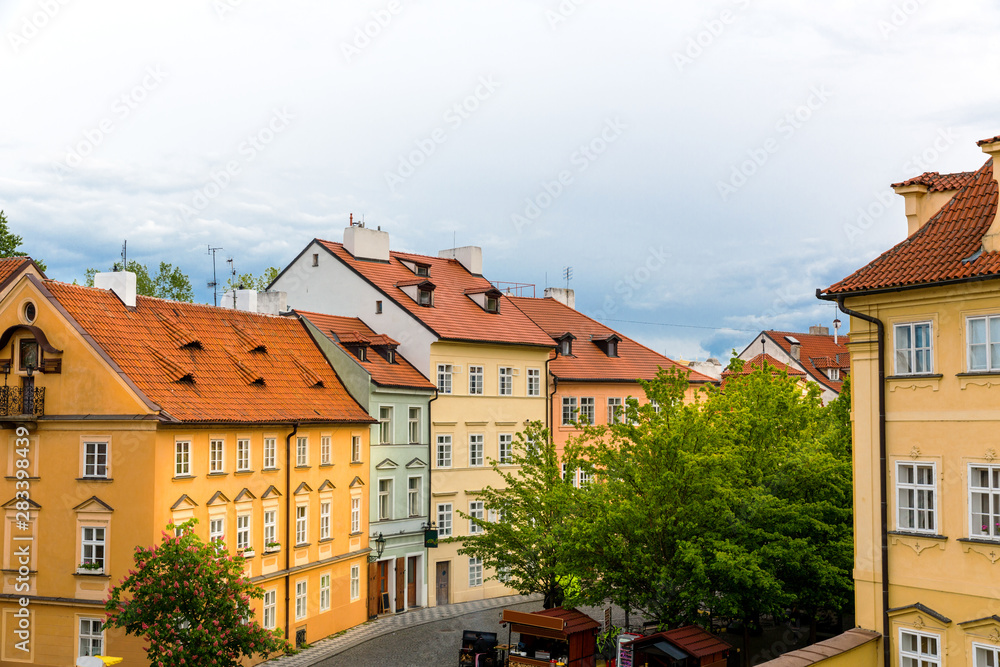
[400, 583]
[372, 590]
[442, 582]
[411, 581]
[383, 587]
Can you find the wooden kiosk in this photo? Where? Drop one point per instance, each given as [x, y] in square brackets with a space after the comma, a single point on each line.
[566, 636]
[689, 646]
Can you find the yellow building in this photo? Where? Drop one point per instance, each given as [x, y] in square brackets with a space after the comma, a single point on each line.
[925, 354]
[123, 414]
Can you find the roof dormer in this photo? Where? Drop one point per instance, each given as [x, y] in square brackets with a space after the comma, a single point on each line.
[565, 342]
[418, 268]
[488, 298]
[608, 344]
[420, 290]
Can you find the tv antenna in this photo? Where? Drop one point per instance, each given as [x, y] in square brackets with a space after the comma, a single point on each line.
[232, 274]
[568, 275]
[214, 282]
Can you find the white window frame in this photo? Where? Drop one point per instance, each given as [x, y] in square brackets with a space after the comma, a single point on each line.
[216, 455]
[270, 453]
[242, 454]
[616, 410]
[505, 448]
[95, 642]
[534, 385]
[588, 409]
[182, 458]
[569, 410]
[243, 531]
[325, 450]
[301, 599]
[984, 647]
[324, 520]
[477, 375]
[912, 351]
[301, 524]
[324, 592]
[444, 451]
[477, 450]
[413, 500]
[993, 493]
[920, 492]
[97, 542]
[385, 424]
[355, 515]
[385, 489]
[475, 572]
[270, 527]
[355, 582]
[477, 510]
[988, 344]
[505, 381]
[270, 609]
[919, 656]
[414, 431]
[95, 462]
[355, 449]
[444, 377]
[301, 451]
[444, 519]
[833, 374]
[217, 529]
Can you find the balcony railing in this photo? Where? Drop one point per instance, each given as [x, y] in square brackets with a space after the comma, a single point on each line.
[21, 401]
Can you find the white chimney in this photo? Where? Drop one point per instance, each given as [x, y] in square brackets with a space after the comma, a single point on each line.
[122, 283]
[272, 303]
[565, 296]
[241, 299]
[364, 243]
[470, 256]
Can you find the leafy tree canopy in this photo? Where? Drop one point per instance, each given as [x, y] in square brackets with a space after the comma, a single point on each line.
[168, 283]
[250, 281]
[10, 242]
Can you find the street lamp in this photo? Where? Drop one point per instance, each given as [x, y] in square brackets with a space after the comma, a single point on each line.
[379, 548]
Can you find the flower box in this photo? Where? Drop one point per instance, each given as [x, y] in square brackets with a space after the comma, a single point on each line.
[90, 568]
[247, 553]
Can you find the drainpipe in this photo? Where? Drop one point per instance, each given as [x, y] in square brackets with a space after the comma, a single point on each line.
[883, 469]
[430, 498]
[548, 413]
[288, 529]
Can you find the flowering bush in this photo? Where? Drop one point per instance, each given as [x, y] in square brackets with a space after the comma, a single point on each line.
[188, 600]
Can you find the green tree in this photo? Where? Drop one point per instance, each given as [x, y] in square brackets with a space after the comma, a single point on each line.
[188, 599]
[168, 283]
[250, 281]
[10, 242]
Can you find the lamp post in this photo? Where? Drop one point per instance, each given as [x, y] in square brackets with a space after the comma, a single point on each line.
[379, 548]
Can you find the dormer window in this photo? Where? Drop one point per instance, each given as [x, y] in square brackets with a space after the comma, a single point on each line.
[834, 373]
[612, 348]
[422, 270]
[487, 298]
[425, 297]
[387, 352]
[359, 351]
[565, 344]
[492, 304]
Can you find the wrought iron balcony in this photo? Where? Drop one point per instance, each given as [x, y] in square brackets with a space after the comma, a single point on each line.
[22, 401]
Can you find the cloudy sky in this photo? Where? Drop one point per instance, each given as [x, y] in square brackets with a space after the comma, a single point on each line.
[705, 164]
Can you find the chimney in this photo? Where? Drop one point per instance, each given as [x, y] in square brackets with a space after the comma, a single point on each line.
[819, 330]
[122, 283]
[567, 297]
[470, 256]
[241, 299]
[991, 240]
[797, 351]
[364, 243]
[272, 303]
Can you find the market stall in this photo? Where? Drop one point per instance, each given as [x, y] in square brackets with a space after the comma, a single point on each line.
[564, 636]
[690, 646]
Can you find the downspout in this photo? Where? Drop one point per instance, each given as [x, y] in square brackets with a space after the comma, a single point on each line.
[883, 470]
[430, 499]
[555, 387]
[288, 529]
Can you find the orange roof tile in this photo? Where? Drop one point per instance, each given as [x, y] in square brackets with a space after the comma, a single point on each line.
[342, 330]
[946, 249]
[936, 182]
[759, 361]
[11, 266]
[454, 316]
[151, 345]
[818, 351]
[589, 362]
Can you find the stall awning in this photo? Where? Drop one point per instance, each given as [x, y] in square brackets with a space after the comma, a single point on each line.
[665, 649]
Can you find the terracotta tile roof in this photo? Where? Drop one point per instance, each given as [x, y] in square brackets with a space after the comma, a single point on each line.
[817, 352]
[161, 346]
[696, 641]
[575, 621]
[589, 362]
[756, 363]
[946, 248]
[992, 140]
[342, 330]
[454, 316]
[936, 182]
[11, 266]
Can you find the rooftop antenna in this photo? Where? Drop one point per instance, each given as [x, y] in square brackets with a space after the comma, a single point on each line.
[124, 255]
[568, 275]
[214, 282]
[232, 272]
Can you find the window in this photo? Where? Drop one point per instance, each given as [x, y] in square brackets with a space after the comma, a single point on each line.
[918, 649]
[475, 380]
[270, 447]
[378, 307]
[356, 449]
[385, 424]
[585, 478]
[300, 599]
[92, 546]
[476, 511]
[492, 304]
[95, 459]
[242, 531]
[444, 378]
[476, 450]
[444, 519]
[983, 343]
[270, 527]
[355, 582]
[217, 529]
[413, 496]
[91, 637]
[325, 456]
[506, 448]
[301, 452]
[475, 571]
[833, 373]
[355, 515]
[915, 487]
[913, 348]
[216, 454]
[444, 451]
[414, 426]
[324, 521]
[534, 382]
[182, 459]
[324, 593]
[588, 412]
[568, 410]
[270, 605]
[315, 259]
[28, 357]
[422, 270]
[301, 524]
[615, 413]
[384, 499]
[506, 381]
[425, 297]
[243, 454]
[612, 348]
[566, 346]
[985, 656]
[984, 486]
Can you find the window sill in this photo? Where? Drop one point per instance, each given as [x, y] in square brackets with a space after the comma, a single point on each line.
[916, 376]
[975, 374]
[100, 575]
[325, 540]
[913, 533]
[181, 477]
[356, 534]
[303, 467]
[244, 472]
[357, 463]
[979, 540]
[94, 479]
[325, 465]
[303, 545]
[217, 474]
[270, 469]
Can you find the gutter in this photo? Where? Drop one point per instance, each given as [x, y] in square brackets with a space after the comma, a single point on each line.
[430, 464]
[883, 465]
[288, 529]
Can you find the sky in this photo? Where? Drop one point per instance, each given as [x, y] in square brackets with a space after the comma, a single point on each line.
[703, 167]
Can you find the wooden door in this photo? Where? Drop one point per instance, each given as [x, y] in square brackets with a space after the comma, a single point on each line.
[400, 583]
[411, 581]
[372, 590]
[441, 582]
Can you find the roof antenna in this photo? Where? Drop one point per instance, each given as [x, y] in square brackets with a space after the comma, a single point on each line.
[214, 282]
[568, 275]
[124, 255]
[232, 271]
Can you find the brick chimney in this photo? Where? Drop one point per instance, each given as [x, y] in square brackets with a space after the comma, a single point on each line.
[819, 330]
